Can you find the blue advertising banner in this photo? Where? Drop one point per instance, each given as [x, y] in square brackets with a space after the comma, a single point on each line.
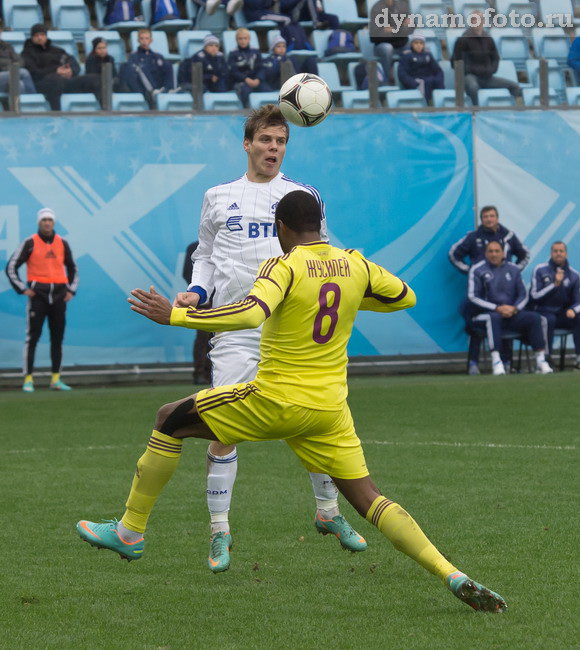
[127, 193]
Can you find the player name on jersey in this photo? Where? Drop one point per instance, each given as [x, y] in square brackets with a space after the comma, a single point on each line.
[328, 268]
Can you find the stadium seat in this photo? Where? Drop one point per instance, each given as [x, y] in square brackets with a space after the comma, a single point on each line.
[550, 8]
[512, 45]
[115, 44]
[320, 38]
[347, 14]
[405, 99]
[79, 102]
[190, 41]
[16, 39]
[448, 74]
[216, 23]
[573, 96]
[259, 99]
[519, 6]
[495, 97]
[174, 102]
[507, 70]
[34, 103]
[258, 25]
[64, 39]
[443, 98]
[352, 79]
[366, 47]
[532, 97]
[21, 14]
[329, 72]
[551, 43]
[71, 15]
[130, 102]
[555, 76]
[221, 102]
[158, 44]
[433, 43]
[466, 7]
[170, 25]
[430, 8]
[122, 26]
[274, 33]
[356, 99]
[451, 35]
[229, 41]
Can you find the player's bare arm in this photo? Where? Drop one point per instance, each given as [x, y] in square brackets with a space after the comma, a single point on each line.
[151, 304]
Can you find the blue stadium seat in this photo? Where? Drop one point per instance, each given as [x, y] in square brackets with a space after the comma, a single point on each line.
[573, 96]
[467, 7]
[551, 7]
[217, 23]
[443, 98]
[347, 14]
[190, 41]
[430, 7]
[329, 72]
[532, 97]
[174, 102]
[79, 102]
[16, 39]
[551, 43]
[222, 102]
[495, 97]
[229, 41]
[71, 15]
[64, 39]
[122, 26]
[366, 47]
[519, 6]
[555, 76]
[115, 44]
[21, 14]
[170, 25]
[356, 99]
[320, 38]
[34, 103]
[451, 35]
[130, 102]
[259, 99]
[448, 74]
[352, 79]
[405, 99]
[512, 45]
[258, 25]
[158, 44]
[433, 43]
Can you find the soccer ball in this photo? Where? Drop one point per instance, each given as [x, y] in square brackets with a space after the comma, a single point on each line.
[305, 99]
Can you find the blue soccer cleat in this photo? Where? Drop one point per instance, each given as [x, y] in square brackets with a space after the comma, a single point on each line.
[474, 594]
[105, 535]
[338, 526]
[219, 551]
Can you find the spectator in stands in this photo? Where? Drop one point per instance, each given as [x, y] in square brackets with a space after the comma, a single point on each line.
[498, 295]
[118, 11]
[389, 37]
[246, 68]
[146, 71]
[574, 58]
[362, 78]
[279, 55]
[479, 54]
[556, 295]
[473, 247]
[163, 10]
[53, 70]
[418, 68]
[215, 68]
[7, 57]
[263, 10]
[303, 10]
[211, 6]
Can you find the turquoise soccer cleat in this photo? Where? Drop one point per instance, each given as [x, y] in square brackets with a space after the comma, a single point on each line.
[105, 535]
[474, 594]
[59, 385]
[219, 551]
[28, 387]
[338, 526]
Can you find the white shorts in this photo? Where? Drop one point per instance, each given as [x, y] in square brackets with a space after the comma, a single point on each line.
[234, 357]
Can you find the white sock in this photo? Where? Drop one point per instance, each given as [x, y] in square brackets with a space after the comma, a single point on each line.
[126, 534]
[495, 358]
[221, 476]
[326, 495]
[540, 356]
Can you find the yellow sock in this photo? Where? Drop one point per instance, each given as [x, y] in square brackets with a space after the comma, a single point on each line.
[154, 469]
[28, 378]
[402, 530]
[55, 377]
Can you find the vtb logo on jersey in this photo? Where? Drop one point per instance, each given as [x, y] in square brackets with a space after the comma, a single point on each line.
[255, 229]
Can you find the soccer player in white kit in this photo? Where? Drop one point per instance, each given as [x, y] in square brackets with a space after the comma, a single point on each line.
[236, 234]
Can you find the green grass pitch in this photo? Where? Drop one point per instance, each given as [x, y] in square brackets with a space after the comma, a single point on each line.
[487, 466]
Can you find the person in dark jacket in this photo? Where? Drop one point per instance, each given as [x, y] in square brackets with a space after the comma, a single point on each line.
[215, 68]
[555, 295]
[53, 70]
[418, 68]
[246, 68]
[98, 56]
[303, 10]
[472, 246]
[498, 295]
[7, 57]
[479, 54]
[263, 10]
[389, 30]
[279, 54]
[52, 281]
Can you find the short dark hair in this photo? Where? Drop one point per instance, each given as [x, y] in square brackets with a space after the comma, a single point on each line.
[561, 244]
[487, 208]
[493, 241]
[300, 212]
[262, 118]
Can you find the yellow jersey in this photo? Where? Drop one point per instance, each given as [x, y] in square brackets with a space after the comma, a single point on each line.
[309, 299]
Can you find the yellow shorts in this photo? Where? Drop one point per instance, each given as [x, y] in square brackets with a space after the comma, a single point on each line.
[325, 441]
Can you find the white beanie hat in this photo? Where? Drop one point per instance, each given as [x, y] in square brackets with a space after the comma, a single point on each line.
[277, 41]
[417, 36]
[45, 213]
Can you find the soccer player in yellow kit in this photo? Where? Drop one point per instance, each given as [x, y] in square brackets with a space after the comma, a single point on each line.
[309, 299]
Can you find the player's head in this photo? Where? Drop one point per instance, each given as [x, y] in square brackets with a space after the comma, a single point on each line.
[489, 217]
[494, 253]
[265, 136]
[298, 214]
[559, 253]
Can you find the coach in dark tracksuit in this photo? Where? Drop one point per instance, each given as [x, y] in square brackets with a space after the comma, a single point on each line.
[556, 295]
[472, 246]
[498, 295]
[52, 280]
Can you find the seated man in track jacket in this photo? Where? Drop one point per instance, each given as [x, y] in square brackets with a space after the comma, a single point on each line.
[246, 68]
[498, 294]
[418, 68]
[556, 295]
[215, 68]
[472, 246]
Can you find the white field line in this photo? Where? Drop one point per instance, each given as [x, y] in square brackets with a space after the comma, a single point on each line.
[484, 445]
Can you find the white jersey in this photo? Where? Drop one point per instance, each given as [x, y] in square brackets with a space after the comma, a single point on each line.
[237, 233]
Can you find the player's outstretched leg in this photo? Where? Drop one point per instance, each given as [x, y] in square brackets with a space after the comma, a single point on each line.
[328, 520]
[404, 533]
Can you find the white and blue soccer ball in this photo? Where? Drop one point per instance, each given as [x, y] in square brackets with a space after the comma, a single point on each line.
[305, 99]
